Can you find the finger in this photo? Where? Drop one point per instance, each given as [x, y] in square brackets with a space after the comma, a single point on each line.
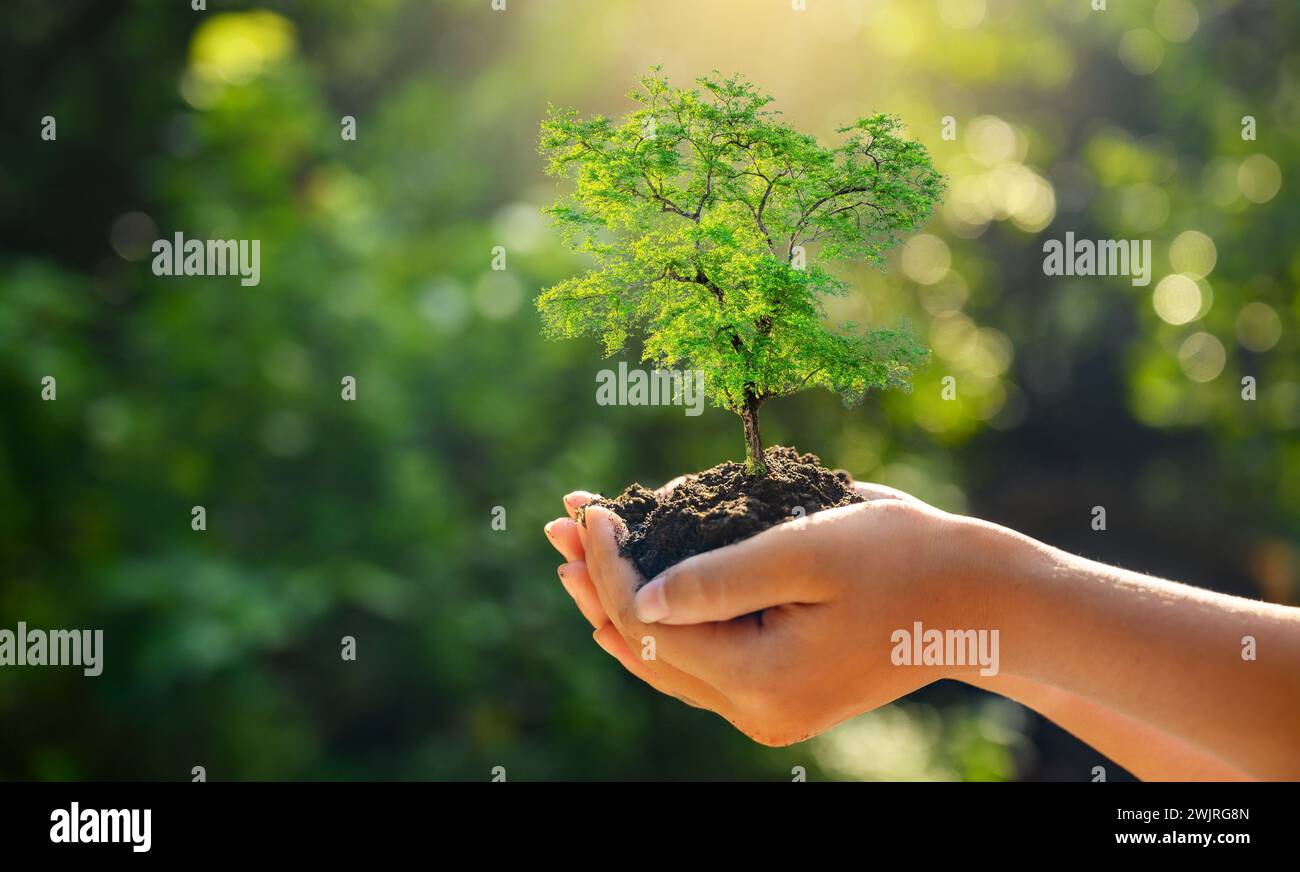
[667, 487]
[612, 643]
[714, 652]
[563, 534]
[576, 500]
[881, 492]
[582, 535]
[764, 571]
[577, 582]
[659, 675]
[663, 677]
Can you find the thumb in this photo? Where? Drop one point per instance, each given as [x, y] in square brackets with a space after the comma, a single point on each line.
[767, 570]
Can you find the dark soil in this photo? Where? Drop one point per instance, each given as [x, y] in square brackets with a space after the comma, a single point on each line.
[723, 505]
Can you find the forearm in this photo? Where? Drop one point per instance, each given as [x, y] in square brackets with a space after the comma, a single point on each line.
[1156, 652]
[1140, 748]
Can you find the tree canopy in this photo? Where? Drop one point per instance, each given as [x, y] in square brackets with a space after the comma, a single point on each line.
[700, 208]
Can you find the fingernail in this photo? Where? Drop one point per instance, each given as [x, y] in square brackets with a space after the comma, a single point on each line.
[592, 518]
[604, 517]
[549, 529]
[562, 571]
[650, 604]
[600, 640]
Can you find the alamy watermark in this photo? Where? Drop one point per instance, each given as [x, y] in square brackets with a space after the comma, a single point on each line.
[89, 826]
[922, 647]
[212, 257]
[84, 648]
[659, 387]
[1105, 257]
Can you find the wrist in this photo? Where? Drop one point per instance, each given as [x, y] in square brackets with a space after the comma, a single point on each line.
[991, 573]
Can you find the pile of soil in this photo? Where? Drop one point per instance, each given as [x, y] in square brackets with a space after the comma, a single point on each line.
[723, 505]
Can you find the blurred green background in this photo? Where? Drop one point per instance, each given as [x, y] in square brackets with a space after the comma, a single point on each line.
[373, 518]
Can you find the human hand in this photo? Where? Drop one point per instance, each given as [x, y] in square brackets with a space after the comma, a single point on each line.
[569, 538]
[788, 632]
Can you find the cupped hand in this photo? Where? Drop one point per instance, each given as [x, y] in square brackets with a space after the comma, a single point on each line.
[788, 632]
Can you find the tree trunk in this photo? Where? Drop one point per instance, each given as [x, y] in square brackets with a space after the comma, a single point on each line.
[754, 460]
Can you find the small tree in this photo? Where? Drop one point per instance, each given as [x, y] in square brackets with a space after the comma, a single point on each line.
[697, 208]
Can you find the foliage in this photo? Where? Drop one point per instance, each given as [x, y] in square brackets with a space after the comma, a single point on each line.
[373, 518]
[698, 208]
